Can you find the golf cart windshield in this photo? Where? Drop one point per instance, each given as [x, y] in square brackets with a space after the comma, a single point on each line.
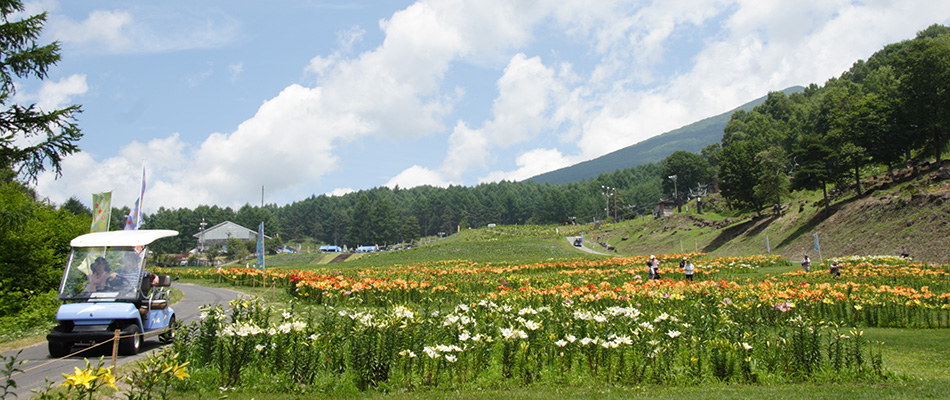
[103, 274]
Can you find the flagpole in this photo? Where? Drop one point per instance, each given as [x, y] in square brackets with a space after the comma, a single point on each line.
[134, 220]
[141, 209]
[260, 255]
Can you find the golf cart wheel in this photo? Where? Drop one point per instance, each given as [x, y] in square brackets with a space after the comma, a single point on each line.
[59, 349]
[169, 335]
[131, 341]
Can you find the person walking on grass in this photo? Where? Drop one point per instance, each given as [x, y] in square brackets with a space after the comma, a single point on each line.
[688, 269]
[653, 264]
[836, 269]
[806, 264]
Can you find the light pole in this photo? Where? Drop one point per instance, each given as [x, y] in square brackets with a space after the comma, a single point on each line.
[201, 239]
[676, 196]
[607, 190]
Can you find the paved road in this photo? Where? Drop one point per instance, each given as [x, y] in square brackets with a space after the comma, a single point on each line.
[583, 246]
[40, 366]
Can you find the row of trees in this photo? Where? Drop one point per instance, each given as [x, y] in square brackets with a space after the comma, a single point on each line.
[384, 216]
[886, 111]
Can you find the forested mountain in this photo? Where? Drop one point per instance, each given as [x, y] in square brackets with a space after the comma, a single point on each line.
[692, 138]
[887, 110]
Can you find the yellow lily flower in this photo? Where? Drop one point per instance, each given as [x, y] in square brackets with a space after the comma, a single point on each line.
[82, 377]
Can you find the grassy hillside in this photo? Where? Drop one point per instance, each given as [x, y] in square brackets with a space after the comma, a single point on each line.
[692, 138]
[907, 211]
[501, 245]
[904, 212]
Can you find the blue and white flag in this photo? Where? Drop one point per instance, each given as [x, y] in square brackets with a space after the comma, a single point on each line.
[134, 220]
[260, 246]
[816, 243]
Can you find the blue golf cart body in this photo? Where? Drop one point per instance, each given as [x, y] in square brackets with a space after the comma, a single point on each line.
[105, 287]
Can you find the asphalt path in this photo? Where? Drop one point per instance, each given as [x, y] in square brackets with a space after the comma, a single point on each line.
[583, 246]
[40, 366]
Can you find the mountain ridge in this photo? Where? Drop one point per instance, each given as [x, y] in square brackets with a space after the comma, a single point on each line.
[692, 138]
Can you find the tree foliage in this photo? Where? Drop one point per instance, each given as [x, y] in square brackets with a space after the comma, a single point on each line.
[34, 240]
[883, 111]
[34, 236]
[54, 132]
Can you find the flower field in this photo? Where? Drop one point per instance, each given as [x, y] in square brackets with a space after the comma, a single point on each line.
[459, 324]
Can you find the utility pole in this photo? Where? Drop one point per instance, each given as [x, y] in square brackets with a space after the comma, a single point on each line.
[616, 202]
[676, 196]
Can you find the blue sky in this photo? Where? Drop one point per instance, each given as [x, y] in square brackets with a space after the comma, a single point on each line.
[220, 98]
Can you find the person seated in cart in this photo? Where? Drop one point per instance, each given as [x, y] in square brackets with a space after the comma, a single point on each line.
[130, 262]
[101, 272]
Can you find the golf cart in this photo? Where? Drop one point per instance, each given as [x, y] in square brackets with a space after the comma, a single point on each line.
[105, 288]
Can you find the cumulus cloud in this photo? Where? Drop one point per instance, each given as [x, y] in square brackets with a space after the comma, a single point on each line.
[165, 162]
[520, 112]
[417, 176]
[340, 192]
[573, 80]
[530, 164]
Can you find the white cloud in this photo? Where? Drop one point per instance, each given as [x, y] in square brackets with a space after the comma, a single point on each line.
[340, 192]
[289, 141]
[608, 83]
[347, 38]
[143, 29]
[54, 94]
[236, 70]
[520, 112]
[417, 176]
[51, 95]
[165, 162]
[110, 29]
[531, 163]
[468, 148]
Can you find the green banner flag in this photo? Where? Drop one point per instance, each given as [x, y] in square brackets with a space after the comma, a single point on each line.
[101, 211]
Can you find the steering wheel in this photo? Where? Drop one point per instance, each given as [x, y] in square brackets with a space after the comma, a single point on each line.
[117, 282]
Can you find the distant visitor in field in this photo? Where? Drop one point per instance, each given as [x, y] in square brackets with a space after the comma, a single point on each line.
[688, 268]
[653, 265]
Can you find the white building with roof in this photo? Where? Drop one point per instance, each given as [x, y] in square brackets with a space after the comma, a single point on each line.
[221, 233]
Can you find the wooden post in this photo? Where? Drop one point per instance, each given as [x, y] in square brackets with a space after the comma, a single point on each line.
[115, 347]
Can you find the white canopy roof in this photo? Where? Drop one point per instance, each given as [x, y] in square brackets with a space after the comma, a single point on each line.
[121, 238]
